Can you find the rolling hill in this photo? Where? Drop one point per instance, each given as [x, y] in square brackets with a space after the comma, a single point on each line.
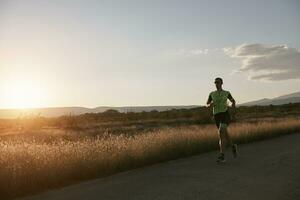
[59, 111]
[284, 99]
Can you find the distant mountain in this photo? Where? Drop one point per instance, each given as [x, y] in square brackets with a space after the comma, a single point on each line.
[292, 95]
[284, 99]
[59, 111]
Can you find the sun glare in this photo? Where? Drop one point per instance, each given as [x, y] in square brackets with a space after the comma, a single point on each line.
[23, 95]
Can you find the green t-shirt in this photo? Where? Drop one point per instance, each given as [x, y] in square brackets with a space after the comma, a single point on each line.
[219, 99]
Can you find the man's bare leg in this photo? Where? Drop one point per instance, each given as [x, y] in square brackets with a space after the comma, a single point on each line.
[230, 143]
[222, 143]
[228, 138]
[222, 137]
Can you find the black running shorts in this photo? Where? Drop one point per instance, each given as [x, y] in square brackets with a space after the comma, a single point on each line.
[222, 117]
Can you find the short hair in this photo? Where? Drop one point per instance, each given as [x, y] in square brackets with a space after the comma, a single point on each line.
[218, 79]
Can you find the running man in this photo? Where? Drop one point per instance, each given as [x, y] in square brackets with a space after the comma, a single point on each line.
[218, 100]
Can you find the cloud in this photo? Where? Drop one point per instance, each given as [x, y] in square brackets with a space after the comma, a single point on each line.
[267, 62]
[188, 52]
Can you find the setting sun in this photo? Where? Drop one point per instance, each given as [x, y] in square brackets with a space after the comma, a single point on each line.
[23, 94]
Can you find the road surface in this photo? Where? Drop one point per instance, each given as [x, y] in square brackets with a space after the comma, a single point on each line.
[268, 169]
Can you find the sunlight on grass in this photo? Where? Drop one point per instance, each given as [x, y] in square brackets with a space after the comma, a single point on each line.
[31, 163]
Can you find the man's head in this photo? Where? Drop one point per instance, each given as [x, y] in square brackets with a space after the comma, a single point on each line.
[218, 82]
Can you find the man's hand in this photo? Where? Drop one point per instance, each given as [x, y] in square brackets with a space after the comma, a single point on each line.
[232, 103]
[233, 106]
[210, 105]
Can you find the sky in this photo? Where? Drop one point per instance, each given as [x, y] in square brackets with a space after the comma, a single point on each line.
[146, 53]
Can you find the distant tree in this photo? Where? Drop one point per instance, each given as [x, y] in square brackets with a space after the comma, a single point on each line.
[111, 111]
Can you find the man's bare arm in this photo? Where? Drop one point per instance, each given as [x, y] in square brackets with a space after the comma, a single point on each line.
[232, 100]
[209, 101]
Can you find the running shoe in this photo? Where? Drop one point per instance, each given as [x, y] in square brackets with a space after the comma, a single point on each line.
[221, 158]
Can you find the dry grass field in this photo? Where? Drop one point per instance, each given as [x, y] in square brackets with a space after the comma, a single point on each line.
[40, 159]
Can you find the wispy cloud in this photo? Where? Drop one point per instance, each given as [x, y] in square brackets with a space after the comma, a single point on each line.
[188, 52]
[267, 62]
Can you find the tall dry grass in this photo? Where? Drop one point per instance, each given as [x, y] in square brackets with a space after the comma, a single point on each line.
[29, 164]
